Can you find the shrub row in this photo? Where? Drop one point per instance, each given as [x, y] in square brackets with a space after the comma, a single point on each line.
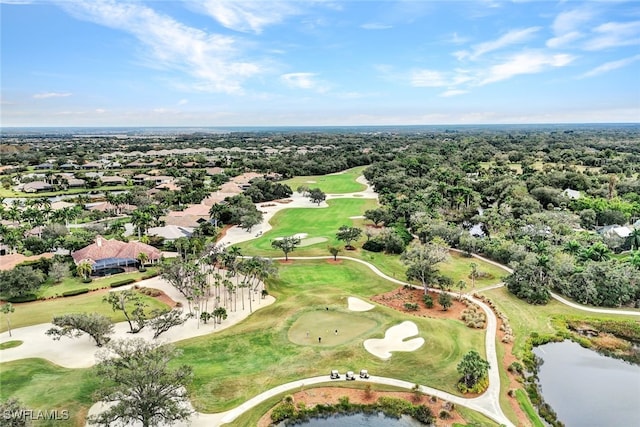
[75, 292]
[122, 283]
[23, 298]
[149, 276]
[390, 406]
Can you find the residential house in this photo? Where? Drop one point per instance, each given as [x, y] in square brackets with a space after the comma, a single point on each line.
[36, 187]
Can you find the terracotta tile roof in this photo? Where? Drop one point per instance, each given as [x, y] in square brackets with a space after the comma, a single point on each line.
[103, 248]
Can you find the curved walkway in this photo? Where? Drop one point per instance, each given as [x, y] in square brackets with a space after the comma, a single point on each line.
[489, 402]
[553, 294]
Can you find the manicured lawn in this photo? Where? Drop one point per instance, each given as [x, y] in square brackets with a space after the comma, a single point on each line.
[257, 354]
[526, 318]
[10, 344]
[316, 222]
[33, 313]
[39, 384]
[341, 183]
[71, 283]
[524, 403]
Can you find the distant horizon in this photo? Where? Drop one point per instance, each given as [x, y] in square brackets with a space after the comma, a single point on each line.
[248, 63]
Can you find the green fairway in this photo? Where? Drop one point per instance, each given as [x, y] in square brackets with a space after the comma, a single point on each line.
[258, 354]
[41, 385]
[331, 326]
[315, 222]
[526, 318]
[340, 183]
[33, 313]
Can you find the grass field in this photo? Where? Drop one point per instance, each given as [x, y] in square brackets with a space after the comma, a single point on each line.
[231, 366]
[10, 344]
[72, 283]
[333, 327]
[33, 313]
[526, 318]
[257, 354]
[341, 183]
[316, 222]
[39, 384]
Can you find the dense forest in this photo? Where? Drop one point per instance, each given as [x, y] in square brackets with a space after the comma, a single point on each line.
[560, 205]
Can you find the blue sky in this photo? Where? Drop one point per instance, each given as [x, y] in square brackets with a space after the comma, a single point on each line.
[313, 63]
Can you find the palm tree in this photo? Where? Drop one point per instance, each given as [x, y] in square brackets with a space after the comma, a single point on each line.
[634, 239]
[84, 269]
[474, 274]
[141, 220]
[143, 258]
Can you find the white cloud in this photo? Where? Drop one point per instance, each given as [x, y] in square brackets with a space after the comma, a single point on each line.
[428, 78]
[453, 92]
[571, 21]
[510, 38]
[564, 39]
[614, 34]
[375, 26]
[610, 66]
[211, 59]
[46, 95]
[100, 110]
[183, 102]
[306, 81]
[530, 62]
[248, 16]
[432, 78]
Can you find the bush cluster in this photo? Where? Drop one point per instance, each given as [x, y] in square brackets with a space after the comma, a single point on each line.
[474, 317]
[75, 292]
[23, 298]
[390, 406]
[122, 283]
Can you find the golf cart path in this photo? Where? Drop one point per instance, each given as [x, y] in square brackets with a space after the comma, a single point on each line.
[553, 294]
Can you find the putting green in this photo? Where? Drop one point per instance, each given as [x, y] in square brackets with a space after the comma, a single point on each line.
[323, 324]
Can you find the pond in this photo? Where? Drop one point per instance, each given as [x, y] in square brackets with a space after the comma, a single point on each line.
[586, 388]
[360, 420]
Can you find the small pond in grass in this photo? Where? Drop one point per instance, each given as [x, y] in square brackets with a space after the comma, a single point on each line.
[360, 420]
[586, 388]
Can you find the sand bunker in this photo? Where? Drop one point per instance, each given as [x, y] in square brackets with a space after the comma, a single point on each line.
[310, 182]
[312, 241]
[394, 340]
[298, 236]
[356, 304]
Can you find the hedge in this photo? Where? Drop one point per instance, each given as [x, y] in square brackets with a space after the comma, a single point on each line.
[75, 292]
[149, 276]
[23, 298]
[122, 283]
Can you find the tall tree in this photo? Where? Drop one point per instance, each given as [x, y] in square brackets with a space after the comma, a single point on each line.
[137, 380]
[95, 325]
[286, 245]
[317, 196]
[421, 261]
[348, 234]
[6, 309]
[123, 301]
[84, 269]
[472, 367]
[21, 281]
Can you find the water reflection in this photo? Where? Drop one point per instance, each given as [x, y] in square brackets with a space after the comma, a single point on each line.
[588, 389]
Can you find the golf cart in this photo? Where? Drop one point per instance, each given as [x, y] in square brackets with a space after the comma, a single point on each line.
[364, 374]
[335, 375]
[350, 376]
